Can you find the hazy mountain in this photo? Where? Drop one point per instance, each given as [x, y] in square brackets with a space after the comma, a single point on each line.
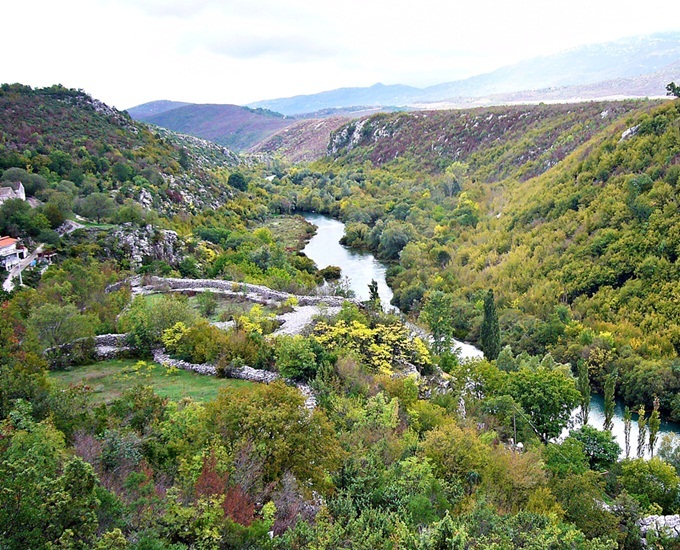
[152, 108]
[646, 85]
[623, 59]
[378, 94]
[230, 125]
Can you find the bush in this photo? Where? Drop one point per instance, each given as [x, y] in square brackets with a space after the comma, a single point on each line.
[295, 357]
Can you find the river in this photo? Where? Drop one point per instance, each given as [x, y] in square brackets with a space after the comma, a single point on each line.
[359, 267]
[362, 267]
[596, 419]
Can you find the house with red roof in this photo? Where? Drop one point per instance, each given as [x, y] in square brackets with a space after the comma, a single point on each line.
[11, 253]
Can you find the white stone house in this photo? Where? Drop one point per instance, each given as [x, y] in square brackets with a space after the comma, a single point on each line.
[12, 191]
[10, 254]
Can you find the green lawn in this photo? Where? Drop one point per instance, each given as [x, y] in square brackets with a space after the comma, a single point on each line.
[109, 379]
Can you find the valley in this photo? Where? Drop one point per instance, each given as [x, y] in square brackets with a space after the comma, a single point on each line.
[545, 236]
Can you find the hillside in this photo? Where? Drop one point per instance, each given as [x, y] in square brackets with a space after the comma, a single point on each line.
[64, 134]
[597, 63]
[154, 108]
[302, 141]
[495, 142]
[570, 217]
[230, 125]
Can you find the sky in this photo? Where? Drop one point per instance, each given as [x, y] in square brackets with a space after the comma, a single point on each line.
[128, 52]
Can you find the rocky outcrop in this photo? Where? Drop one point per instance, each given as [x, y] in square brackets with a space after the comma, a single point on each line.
[660, 526]
[143, 244]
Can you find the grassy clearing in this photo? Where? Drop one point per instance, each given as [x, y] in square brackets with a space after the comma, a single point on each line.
[109, 379]
[292, 232]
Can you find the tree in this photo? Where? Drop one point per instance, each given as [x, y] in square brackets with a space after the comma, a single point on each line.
[609, 401]
[642, 431]
[627, 423]
[237, 181]
[295, 357]
[437, 313]
[373, 302]
[583, 386]
[454, 175]
[673, 89]
[599, 446]
[98, 206]
[285, 436]
[547, 397]
[56, 325]
[491, 333]
[651, 481]
[654, 425]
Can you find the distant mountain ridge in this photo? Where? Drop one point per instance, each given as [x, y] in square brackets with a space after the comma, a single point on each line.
[622, 59]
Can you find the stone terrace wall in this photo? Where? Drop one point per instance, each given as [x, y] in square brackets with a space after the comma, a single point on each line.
[241, 373]
[251, 292]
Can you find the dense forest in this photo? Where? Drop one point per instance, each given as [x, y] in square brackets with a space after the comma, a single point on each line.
[547, 235]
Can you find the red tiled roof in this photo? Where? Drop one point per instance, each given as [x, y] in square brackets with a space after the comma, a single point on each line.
[7, 241]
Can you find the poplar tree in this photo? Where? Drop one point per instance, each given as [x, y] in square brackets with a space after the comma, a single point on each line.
[609, 401]
[627, 424]
[491, 333]
[642, 430]
[654, 425]
[583, 386]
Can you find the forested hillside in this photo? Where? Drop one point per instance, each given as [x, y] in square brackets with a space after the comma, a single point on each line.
[582, 258]
[64, 135]
[177, 374]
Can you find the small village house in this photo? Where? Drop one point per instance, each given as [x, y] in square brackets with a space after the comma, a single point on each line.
[11, 253]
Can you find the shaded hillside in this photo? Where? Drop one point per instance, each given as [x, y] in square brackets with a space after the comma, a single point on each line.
[230, 125]
[64, 134]
[496, 142]
[303, 141]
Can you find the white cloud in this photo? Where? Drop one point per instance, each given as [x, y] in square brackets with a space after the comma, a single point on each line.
[127, 52]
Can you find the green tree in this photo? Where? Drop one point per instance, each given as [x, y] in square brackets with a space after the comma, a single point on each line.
[295, 357]
[651, 481]
[654, 425]
[583, 386]
[642, 432]
[237, 181]
[547, 396]
[673, 89]
[490, 332]
[599, 446]
[146, 321]
[56, 325]
[273, 422]
[609, 400]
[627, 423]
[437, 313]
[97, 206]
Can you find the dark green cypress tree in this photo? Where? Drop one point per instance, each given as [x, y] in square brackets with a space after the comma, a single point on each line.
[491, 332]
